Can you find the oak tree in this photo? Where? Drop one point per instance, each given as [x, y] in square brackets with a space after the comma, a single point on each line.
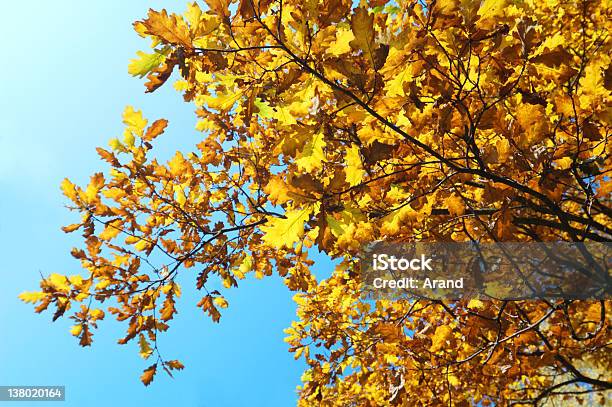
[327, 124]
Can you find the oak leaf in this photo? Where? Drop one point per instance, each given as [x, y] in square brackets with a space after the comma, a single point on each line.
[148, 374]
[284, 232]
[170, 28]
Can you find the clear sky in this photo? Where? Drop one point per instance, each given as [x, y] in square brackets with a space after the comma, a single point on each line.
[64, 85]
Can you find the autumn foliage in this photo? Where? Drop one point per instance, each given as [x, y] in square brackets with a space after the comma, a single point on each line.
[328, 124]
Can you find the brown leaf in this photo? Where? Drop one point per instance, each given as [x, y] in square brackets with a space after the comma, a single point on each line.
[380, 56]
[86, 337]
[159, 76]
[108, 156]
[554, 58]
[206, 303]
[71, 228]
[170, 28]
[168, 309]
[245, 9]
[175, 365]
[608, 77]
[148, 374]
[526, 32]
[362, 25]
[332, 11]
[378, 151]
[155, 129]
[219, 7]
[591, 131]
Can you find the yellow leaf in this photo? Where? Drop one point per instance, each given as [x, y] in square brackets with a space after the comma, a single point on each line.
[264, 110]
[145, 63]
[245, 267]
[128, 138]
[140, 28]
[391, 358]
[132, 239]
[177, 164]
[69, 189]
[103, 284]
[59, 282]
[116, 145]
[96, 314]
[341, 45]
[76, 280]
[312, 156]
[447, 6]
[142, 245]
[335, 226]
[395, 86]
[284, 114]
[76, 330]
[285, 232]
[453, 380]
[32, 296]
[491, 8]
[111, 230]
[455, 205]
[221, 101]
[469, 9]
[220, 302]
[393, 222]
[180, 196]
[476, 304]
[441, 336]
[114, 193]
[193, 14]
[95, 184]
[176, 289]
[134, 120]
[354, 167]
[280, 113]
[276, 190]
[145, 349]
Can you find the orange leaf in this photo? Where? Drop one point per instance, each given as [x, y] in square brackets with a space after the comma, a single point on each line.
[148, 374]
[107, 156]
[175, 364]
[155, 129]
[362, 25]
[169, 28]
[159, 76]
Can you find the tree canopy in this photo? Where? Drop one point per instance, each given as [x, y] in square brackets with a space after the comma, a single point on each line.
[326, 125]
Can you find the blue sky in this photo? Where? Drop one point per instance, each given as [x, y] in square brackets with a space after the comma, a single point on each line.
[63, 88]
